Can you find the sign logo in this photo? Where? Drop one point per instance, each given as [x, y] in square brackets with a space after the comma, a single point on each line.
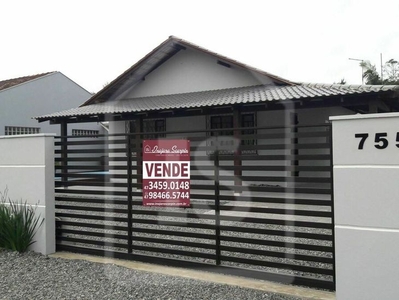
[166, 173]
[169, 150]
[147, 149]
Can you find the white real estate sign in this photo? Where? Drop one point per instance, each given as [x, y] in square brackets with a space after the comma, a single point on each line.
[366, 202]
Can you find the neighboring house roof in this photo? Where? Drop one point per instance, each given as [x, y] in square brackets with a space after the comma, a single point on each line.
[157, 57]
[5, 84]
[242, 95]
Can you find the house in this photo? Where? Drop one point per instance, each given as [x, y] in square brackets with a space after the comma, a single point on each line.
[260, 163]
[23, 97]
[181, 83]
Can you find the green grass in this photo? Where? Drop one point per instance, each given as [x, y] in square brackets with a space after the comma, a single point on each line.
[18, 224]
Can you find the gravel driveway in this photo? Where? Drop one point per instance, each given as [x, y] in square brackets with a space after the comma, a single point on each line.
[34, 276]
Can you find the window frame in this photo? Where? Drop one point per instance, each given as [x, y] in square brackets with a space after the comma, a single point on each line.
[209, 125]
[83, 132]
[20, 130]
[151, 134]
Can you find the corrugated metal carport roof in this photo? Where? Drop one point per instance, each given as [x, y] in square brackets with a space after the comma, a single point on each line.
[213, 98]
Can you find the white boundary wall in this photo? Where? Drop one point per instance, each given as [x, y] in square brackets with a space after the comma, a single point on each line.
[366, 199]
[27, 171]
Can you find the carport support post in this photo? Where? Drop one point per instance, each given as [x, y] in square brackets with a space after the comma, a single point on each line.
[294, 142]
[139, 155]
[64, 153]
[129, 195]
[217, 206]
[237, 152]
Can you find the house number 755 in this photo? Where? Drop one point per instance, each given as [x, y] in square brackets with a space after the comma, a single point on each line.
[380, 140]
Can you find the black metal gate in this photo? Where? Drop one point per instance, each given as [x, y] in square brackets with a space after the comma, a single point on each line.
[261, 200]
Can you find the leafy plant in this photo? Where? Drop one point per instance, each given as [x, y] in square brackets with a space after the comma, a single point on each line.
[390, 73]
[18, 224]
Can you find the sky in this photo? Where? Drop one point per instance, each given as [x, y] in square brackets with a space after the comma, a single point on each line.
[93, 42]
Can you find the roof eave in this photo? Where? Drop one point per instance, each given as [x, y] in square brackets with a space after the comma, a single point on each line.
[123, 75]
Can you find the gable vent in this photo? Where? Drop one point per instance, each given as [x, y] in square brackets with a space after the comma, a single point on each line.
[224, 64]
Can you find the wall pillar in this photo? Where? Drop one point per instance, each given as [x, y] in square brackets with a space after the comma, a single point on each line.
[366, 201]
[27, 171]
[64, 152]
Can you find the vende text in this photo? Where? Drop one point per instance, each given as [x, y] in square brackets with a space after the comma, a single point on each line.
[166, 169]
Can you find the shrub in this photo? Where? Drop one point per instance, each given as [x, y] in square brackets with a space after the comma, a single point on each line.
[18, 224]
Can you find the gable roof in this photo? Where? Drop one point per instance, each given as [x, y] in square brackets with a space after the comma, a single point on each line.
[214, 98]
[157, 57]
[106, 102]
[5, 84]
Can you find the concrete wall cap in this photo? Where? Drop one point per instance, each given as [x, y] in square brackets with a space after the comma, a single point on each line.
[28, 135]
[368, 116]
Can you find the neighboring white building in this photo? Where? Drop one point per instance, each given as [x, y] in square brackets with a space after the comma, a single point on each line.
[24, 97]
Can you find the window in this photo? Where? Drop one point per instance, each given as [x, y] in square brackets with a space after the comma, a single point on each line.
[248, 120]
[226, 121]
[150, 126]
[17, 130]
[154, 125]
[84, 132]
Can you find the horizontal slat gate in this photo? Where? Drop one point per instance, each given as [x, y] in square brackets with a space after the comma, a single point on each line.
[261, 203]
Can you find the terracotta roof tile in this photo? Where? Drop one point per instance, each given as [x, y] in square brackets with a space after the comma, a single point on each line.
[5, 84]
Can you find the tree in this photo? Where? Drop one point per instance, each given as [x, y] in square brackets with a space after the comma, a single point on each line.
[370, 74]
[390, 73]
